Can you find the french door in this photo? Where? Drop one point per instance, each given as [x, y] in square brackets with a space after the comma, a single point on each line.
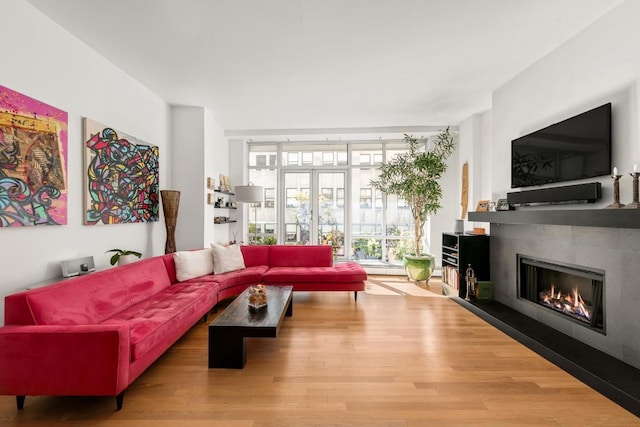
[313, 208]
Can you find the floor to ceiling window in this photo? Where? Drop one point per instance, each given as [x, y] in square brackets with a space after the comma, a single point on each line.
[319, 193]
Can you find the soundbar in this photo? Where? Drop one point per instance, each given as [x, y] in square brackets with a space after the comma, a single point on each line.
[565, 194]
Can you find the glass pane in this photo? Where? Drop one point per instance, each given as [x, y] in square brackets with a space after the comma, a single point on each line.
[297, 211]
[291, 159]
[263, 214]
[269, 197]
[262, 155]
[366, 249]
[397, 247]
[327, 159]
[331, 215]
[399, 218]
[298, 154]
[366, 154]
[367, 220]
[395, 148]
[340, 197]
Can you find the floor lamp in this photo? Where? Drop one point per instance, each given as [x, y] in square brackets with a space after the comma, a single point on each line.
[250, 194]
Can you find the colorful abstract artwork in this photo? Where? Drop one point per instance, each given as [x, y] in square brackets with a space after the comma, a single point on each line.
[121, 177]
[33, 162]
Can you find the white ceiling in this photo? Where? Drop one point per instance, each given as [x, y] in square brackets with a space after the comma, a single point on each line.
[287, 64]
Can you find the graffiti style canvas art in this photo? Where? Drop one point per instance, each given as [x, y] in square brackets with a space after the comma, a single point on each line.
[33, 162]
[121, 177]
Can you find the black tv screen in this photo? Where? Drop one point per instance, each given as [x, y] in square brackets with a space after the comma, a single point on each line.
[575, 148]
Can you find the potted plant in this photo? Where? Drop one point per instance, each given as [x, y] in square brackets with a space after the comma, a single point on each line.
[414, 176]
[123, 256]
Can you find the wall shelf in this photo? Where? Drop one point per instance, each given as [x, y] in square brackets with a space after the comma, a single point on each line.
[224, 192]
[612, 218]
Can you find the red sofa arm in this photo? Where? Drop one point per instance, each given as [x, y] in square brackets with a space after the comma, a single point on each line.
[64, 360]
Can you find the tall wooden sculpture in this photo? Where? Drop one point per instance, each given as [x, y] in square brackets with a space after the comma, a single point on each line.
[464, 200]
[170, 203]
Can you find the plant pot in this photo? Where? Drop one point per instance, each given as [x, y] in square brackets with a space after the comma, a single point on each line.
[419, 267]
[126, 259]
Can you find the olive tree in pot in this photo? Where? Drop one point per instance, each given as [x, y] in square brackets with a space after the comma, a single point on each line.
[415, 177]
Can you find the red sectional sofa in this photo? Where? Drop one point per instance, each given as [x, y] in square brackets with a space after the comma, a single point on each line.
[95, 334]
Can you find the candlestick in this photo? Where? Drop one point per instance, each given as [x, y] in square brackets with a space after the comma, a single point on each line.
[616, 191]
[635, 204]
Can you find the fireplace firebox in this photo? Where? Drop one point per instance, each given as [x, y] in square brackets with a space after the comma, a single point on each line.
[572, 291]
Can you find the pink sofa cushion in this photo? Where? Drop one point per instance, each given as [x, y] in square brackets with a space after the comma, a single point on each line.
[249, 275]
[163, 318]
[255, 255]
[84, 300]
[297, 256]
[340, 273]
[91, 299]
[144, 278]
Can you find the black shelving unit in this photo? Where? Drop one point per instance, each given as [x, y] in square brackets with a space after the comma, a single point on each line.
[458, 251]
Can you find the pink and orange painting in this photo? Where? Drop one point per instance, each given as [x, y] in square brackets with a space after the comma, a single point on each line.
[33, 161]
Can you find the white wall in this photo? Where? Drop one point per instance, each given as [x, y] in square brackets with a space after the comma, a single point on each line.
[599, 65]
[43, 61]
[444, 219]
[200, 152]
[188, 174]
[475, 150]
[216, 154]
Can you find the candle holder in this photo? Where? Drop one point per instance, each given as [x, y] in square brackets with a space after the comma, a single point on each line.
[616, 193]
[636, 203]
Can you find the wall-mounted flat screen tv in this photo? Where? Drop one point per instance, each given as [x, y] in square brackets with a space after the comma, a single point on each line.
[575, 148]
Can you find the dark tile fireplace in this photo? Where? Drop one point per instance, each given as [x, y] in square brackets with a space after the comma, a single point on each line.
[605, 354]
[573, 292]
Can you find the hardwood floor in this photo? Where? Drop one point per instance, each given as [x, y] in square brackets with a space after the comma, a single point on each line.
[381, 361]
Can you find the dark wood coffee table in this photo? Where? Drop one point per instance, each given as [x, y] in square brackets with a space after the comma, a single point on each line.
[229, 331]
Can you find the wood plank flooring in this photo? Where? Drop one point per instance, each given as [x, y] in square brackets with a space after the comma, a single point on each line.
[381, 361]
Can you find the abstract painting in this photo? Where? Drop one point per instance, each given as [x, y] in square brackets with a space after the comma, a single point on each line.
[121, 177]
[33, 161]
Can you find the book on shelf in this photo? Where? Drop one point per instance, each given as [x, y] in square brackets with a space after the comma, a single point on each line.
[450, 276]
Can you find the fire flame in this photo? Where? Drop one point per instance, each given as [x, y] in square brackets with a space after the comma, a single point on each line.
[571, 303]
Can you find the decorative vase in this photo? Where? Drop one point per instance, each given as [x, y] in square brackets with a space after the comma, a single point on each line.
[419, 267]
[126, 259]
[170, 203]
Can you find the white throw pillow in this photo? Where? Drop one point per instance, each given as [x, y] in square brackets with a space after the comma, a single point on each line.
[226, 258]
[190, 264]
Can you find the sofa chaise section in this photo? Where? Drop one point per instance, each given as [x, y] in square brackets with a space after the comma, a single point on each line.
[311, 268]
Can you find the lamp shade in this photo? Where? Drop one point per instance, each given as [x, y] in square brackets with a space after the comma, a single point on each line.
[248, 193]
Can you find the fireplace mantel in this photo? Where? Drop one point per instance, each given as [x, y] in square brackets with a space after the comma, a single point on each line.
[613, 218]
